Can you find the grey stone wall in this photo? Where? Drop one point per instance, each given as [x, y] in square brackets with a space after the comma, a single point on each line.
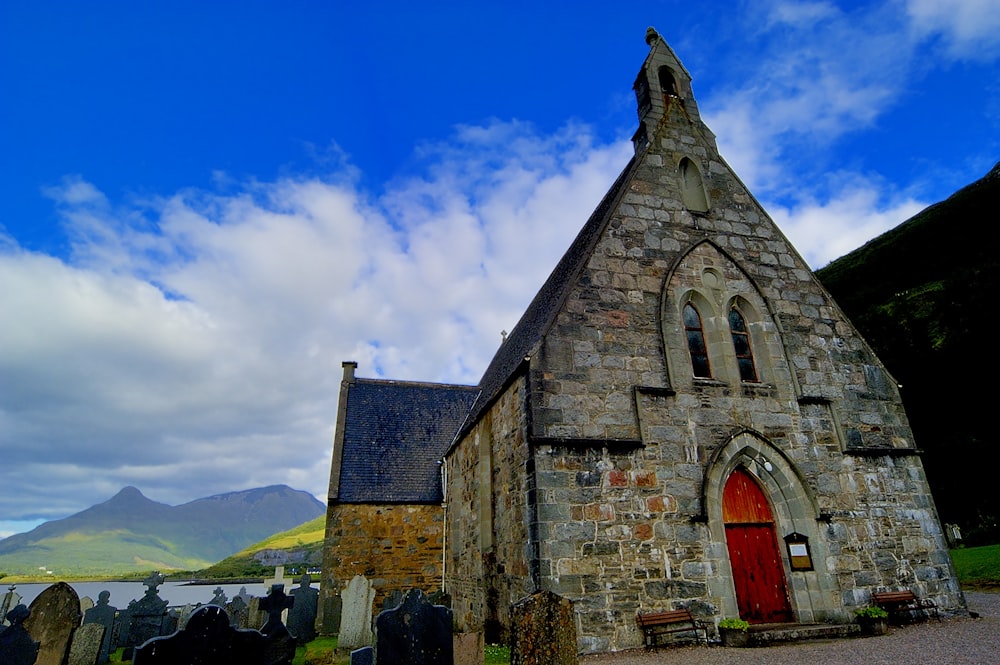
[489, 488]
[619, 476]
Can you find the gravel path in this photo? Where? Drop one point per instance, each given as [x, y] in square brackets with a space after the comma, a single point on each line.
[963, 641]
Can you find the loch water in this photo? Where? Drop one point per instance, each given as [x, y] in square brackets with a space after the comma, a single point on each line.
[175, 593]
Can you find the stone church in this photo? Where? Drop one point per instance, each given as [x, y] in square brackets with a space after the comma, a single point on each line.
[682, 418]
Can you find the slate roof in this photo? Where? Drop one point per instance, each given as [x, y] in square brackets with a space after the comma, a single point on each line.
[394, 434]
[541, 313]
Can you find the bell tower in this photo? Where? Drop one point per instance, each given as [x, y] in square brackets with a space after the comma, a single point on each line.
[663, 95]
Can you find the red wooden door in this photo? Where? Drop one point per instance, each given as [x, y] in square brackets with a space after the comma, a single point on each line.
[759, 577]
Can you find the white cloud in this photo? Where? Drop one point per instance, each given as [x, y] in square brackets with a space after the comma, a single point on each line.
[811, 81]
[824, 231]
[193, 344]
[969, 29]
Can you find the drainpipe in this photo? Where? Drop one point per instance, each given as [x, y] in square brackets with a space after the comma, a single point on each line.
[444, 527]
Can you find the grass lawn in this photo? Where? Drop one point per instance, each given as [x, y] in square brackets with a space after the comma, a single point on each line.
[978, 567]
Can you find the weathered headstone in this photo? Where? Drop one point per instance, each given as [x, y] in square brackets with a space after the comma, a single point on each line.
[102, 614]
[330, 612]
[86, 646]
[119, 631]
[257, 617]
[543, 631]
[468, 648]
[356, 615]
[279, 578]
[219, 597]
[302, 615]
[55, 614]
[238, 612]
[208, 638]
[415, 633]
[280, 647]
[393, 600]
[17, 646]
[363, 656]
[172, 620]
[244, 596]
[146, 615]
[85, 604]
[8, 601]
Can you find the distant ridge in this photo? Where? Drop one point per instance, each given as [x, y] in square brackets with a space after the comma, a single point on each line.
[131, 533]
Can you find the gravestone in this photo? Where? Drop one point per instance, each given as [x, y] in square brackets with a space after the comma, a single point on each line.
[331, 610]
[146, 615]
[55, 614]
[356, 615]
[415, 633]
[86, 646]
[238, 612]
[85, 604]
[279, 578]
[468, 648]
[208, 638]
[17, 646]
[543, 631]
[183, 614]
[393, 600]
[280, 649]
[172, 620]
[8, 601]
[119, 631]
[363, 656]
[244, 596]
[256, 618]
[102, 614]
[302, 615]
[219, 598]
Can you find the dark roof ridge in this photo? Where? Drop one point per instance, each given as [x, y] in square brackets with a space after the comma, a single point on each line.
[421, 384]
[541, 312]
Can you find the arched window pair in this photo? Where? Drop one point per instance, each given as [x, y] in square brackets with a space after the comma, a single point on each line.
[695, 333]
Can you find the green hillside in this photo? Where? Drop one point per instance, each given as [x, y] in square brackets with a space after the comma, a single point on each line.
[130, 534]
[103, 554]
[303, 547]
[921, 295]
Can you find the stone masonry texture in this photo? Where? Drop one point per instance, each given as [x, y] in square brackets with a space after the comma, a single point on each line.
[597, 473]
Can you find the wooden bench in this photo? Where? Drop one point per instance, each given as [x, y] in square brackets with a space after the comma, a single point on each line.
[898, 603]
[656, 624]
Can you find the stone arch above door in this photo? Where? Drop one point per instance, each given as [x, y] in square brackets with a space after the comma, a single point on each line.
[795, 510]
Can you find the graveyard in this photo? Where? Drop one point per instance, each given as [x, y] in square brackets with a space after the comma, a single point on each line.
[59, 627]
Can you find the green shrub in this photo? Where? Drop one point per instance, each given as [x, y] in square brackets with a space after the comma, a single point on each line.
[871, 612]
[497, 654]
[735, 623]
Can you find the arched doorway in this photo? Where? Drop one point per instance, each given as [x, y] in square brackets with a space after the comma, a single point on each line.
[758, 575]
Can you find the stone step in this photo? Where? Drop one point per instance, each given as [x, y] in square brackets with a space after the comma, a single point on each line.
[765, 634]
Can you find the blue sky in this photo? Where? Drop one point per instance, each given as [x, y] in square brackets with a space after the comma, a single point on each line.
[206, 207]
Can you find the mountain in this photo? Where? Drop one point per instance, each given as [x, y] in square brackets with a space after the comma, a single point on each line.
[131, 533]
[922, 295]
[299, 548]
